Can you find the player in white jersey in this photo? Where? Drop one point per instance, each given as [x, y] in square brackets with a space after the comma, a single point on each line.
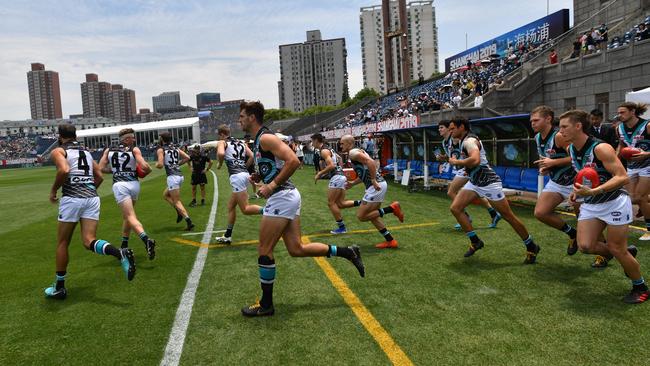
[79, 176]
[452, 149]
[121, 160]
[171, 158]
[554, 162]
[332, 169]
[275, 162]
[376, 188]
[238, 156]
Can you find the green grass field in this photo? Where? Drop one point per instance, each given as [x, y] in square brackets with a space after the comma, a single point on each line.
[437, 307]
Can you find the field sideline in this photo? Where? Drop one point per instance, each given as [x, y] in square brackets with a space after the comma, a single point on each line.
[433, 305]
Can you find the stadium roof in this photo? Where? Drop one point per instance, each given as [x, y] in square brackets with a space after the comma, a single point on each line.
[147, 126]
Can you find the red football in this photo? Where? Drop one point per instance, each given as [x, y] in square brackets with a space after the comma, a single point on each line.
[140, 172]
[588, 176]
[350, 174]
[628, 152]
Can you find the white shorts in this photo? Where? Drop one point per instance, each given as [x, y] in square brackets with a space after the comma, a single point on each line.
[615, 212]
[493, 192]
[373, 196]
[124, 190]
[174, 182]
[337, 182]
[641, 172]
[553, 187]
[239, 182]
[459, 173]
[285, 203]
[73, 209]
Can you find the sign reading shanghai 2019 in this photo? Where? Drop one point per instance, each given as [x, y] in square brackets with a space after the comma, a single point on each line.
[537, 32]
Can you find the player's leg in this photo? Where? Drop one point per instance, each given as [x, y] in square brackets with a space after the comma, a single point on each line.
[127, 206]
[102, 247]
[457, 208]
[505, 211]
[232, 217]
[293, 241]
[203, 192]
[617, 244]
[371, 211]
[64, 234]
[126, 232]
[193, 203]
[453, 188]
[640, 197]
[175, 194]
[333, 198]
[494, 215]
[545, 212]
[271, 229]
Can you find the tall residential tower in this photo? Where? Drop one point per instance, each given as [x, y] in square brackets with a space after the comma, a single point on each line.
[44, 93]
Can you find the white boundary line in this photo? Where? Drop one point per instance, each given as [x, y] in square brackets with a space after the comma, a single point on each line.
[203, 232]
[174, 348]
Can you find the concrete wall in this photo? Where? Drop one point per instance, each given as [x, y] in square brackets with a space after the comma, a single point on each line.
[583, 9]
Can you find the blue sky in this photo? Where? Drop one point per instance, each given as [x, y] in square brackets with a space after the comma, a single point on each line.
[229, 47]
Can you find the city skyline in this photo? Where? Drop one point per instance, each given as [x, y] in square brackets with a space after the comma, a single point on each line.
[154, 46]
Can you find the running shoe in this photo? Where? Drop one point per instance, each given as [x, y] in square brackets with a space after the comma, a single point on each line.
[397, 211]
[52, 293]
[636, 296]
[495, 221]
[387, 245]
[257, 310]
[573, 247]
[128, 263]
[224, 240]
[340, 230]
[473, 247]
[531, 255]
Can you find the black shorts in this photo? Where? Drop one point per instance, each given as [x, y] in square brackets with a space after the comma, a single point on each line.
[199, 178]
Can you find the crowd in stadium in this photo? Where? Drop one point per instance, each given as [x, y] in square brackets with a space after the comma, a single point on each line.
[14, 147]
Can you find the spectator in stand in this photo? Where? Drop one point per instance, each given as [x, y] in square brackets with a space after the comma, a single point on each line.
[590, 43]
[552, 58]
[478, 100]
[602, 131]
[456, 100]
[577, 45]
[642, 32]
[604, 33]
[597, 38]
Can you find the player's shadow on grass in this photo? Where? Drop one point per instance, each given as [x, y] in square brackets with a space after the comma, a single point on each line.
[598, 303]
[473, 266]
[80, 295]
[562, 272]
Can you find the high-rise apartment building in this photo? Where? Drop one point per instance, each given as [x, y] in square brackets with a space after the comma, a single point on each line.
[313, 73]
[120, 103]
[93, 96]
[44, 93]
[422, 44]
[166, 100]
[204, 99]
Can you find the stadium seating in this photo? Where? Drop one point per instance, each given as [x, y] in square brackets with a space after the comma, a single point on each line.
[512, 178]
[529, 179]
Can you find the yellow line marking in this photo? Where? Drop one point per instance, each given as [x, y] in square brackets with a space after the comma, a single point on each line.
[381, 336]
[574, 215]
[249, 242]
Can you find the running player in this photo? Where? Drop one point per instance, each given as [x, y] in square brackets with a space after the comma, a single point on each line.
[121, 160]
[275, 162]
[634, 131]
[332, 169]
[555, 162]
[237, 156]
[171, 158]
[376, 187]
[607, 206]
[79, 177]
[483, 182]
[452, 148]
[198, 159]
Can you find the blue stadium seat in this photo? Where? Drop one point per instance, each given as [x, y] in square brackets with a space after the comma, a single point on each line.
[401, 164]
[529, 179]
[513, 178]
[433, 169]
[501, 172]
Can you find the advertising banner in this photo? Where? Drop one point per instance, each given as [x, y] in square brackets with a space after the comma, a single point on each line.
[356, 131]
[539, 31]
